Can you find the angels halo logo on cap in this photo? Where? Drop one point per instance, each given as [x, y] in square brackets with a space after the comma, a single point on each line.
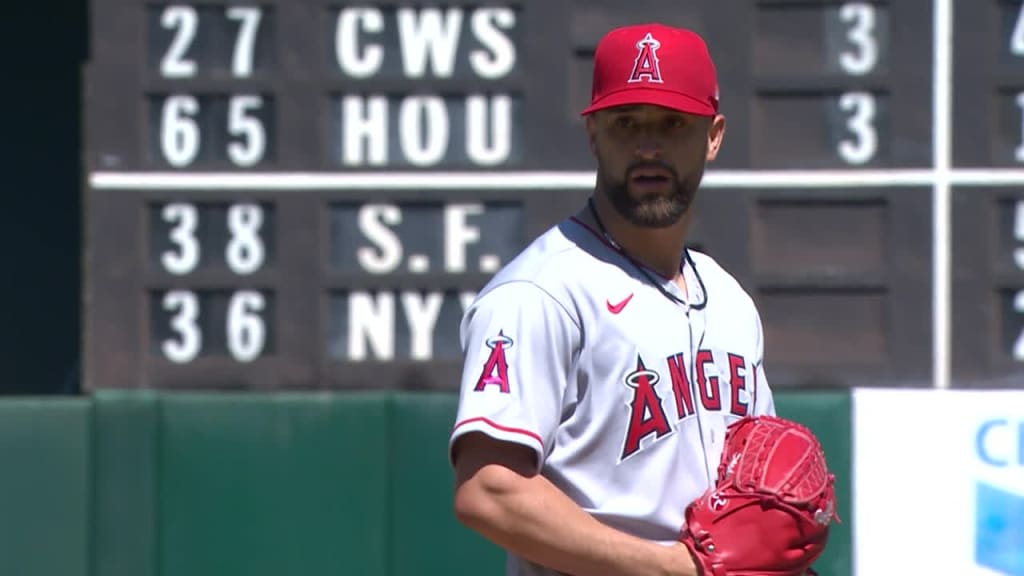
[654, 64]
[645, 67]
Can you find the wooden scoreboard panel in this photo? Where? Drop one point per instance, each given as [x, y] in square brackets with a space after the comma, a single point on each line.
[305, 194]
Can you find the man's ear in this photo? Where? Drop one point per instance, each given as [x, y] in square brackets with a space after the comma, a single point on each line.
[591, 125]
[716, 133]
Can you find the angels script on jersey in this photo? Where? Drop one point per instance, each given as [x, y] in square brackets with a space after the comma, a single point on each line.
[648, 414]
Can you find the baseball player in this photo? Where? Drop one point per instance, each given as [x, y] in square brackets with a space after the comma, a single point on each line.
[604, 363]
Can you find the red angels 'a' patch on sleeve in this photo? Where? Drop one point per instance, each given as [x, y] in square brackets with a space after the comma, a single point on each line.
[495, 371]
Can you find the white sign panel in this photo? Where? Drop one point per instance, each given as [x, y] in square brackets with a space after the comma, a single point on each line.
[938, 482]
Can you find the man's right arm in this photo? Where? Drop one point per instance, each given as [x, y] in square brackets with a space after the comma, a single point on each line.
[499, 494]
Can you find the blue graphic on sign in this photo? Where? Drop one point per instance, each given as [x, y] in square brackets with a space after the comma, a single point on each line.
[999, 530]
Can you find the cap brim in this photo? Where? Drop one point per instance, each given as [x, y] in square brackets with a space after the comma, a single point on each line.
[664, 98]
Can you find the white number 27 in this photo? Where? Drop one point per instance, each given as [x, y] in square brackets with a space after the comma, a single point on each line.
[183, 20]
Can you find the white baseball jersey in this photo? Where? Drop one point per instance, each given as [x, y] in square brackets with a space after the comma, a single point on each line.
[623, 392]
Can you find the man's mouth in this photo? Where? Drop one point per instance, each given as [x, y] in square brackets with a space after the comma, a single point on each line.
[650, 176]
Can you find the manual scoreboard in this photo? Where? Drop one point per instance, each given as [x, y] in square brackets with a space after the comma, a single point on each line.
[307, 194]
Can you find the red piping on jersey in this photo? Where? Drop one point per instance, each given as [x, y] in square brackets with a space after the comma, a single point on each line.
[493, 424]
[605, 241]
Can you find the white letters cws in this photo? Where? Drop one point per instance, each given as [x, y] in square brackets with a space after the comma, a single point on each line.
[428, 46]
[1000, 443]
[372, 323]
[426, 36]
[377, 223]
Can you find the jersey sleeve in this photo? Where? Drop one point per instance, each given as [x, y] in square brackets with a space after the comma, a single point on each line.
[519, 344]
[764, 402]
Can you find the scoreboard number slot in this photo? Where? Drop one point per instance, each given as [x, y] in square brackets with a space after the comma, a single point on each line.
[821, 40]
[1018, 234]
[184, 220]
[246, 330]
[1017, 36]
[181, 138]
[988, 255]
[860, 20]
[245, 253]
[860, 109]
[248, 18]
[245, 249]
[822, 129]
[1019, 152]
[250, 144]
[179, 133]
[183, 22]
[1018, 346]
[184, 332]
[183, 306]
[1018, 259]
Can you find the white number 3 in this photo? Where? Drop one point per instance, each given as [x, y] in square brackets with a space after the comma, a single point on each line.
[861, 107]
[184, 219]
[861, 34]
[1017, 36]
[184, 309]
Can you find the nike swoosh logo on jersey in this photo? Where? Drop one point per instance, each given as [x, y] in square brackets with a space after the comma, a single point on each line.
[616, 308]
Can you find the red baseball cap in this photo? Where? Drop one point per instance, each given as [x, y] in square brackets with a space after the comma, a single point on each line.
[654, 64]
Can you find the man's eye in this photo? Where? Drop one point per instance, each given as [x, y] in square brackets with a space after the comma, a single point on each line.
[623, 122]
[675, 123]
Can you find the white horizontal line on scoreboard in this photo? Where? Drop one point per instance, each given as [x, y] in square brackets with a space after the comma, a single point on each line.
[532, 180]
[340, 180]
[987, 177]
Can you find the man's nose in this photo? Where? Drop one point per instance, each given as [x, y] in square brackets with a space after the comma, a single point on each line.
[648, 149]
[648, 146]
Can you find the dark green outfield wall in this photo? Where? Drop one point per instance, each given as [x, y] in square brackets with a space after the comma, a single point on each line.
[160, 484]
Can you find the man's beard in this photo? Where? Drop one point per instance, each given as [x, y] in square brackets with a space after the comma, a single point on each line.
[659, 210]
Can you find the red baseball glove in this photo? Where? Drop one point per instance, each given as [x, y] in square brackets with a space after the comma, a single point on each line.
[769, 512]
